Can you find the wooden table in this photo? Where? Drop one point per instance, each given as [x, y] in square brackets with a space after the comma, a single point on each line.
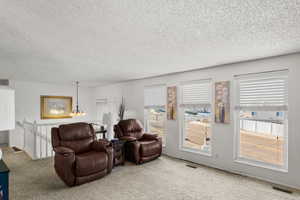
[103, 132]
[119, 151]
[4, 178]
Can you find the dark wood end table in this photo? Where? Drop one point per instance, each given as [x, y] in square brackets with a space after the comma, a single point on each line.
[119, 151]
[103, 132]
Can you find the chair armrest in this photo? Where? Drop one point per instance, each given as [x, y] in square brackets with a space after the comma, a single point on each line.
[148, 136]
[100, 145]
[132, 151]
[128, 138]
[64, 162]
[63, 151]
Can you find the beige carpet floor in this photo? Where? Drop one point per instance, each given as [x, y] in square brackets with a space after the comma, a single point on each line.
[162, 179]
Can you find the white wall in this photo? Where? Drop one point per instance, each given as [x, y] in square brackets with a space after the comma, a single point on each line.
[223, 135]
[28, 104]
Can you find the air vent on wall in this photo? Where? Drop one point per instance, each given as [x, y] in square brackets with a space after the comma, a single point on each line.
[282, 189]
[4, 82]
[191, 166]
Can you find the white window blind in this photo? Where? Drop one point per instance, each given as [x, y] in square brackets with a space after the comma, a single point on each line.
[7, 109]
[155, 96]
[196, 94]
[266, 91]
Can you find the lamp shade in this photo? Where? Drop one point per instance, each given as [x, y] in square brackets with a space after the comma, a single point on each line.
[7, 109]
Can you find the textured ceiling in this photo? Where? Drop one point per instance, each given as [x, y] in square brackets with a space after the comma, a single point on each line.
[102, 41]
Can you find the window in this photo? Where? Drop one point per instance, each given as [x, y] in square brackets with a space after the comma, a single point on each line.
[101, 108]
[262, 116]
[155, 111]
[196, 116]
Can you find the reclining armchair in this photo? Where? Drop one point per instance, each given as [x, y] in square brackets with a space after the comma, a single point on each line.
[79, 157]
[140, 147]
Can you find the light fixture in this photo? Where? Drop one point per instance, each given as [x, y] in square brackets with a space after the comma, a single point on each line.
[77, 112]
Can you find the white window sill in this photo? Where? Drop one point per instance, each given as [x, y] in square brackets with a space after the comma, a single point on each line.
[253, 163]
[203, 153]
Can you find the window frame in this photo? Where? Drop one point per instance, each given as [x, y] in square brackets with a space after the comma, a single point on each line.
[146, 126]
[181, 118]
[237, 147]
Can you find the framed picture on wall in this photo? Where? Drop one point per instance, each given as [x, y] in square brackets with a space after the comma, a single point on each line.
[56, 107]
[222, 102]
[172, 103]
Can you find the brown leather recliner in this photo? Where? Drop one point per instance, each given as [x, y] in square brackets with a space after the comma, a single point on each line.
[79, 157]
[140, 147]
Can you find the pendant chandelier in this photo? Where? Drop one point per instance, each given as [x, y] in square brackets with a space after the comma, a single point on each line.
[77, 112]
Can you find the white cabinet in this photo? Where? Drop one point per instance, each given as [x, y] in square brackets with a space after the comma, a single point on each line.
[7, 109]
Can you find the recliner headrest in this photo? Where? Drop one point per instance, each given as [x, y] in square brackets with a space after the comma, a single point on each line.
[75, 131]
